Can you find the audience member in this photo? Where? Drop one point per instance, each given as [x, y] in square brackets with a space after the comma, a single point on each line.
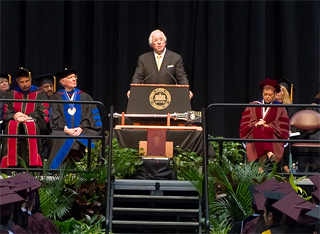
[160, 66]
[8, 202]
[47, 83]
[28, 215]
[71, 119]
[5, 80]
[284, 97]
[24, 118]
[265, 123]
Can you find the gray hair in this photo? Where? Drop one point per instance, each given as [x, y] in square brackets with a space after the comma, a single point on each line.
[157, 30]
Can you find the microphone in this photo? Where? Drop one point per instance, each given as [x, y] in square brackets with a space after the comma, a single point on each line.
[148, 76]
[172, 77]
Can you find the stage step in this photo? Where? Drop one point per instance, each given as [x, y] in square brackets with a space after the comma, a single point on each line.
[150, 206]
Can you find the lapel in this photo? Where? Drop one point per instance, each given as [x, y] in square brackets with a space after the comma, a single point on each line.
[164, 65]
[151, 60]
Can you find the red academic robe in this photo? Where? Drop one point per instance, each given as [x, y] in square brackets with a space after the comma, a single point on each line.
[278, 128]
[39, 112]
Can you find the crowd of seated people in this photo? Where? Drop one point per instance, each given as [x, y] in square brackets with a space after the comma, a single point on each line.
[20, 206]
[40, 118]
[277, 208]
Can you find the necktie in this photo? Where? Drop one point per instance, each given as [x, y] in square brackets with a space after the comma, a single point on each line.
[159, 62]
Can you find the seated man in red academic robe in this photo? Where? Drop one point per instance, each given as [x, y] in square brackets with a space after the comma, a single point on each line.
[24, 118]
[265, 123]
[71, 119]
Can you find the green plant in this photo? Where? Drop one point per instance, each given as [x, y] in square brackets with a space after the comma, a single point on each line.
[183, 161]
[89, 225]
[298, 189]
[125, 161]
[55, 198]
[232, 150]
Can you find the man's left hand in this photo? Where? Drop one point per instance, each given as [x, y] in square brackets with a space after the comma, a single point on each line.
[190, 95]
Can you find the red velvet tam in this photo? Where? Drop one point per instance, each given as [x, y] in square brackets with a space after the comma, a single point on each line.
[271, 83]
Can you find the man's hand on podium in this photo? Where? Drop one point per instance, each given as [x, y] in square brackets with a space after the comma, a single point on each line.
[190, 95]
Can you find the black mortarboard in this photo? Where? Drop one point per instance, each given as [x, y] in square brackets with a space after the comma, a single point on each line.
[288, 85]
[273, 195]
[7, 199]
[7, 76]
[64, 73]
[315, 213]
[46, 79]
[295, 207]
[22, 72]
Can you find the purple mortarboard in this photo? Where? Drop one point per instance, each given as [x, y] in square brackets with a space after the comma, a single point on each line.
[5, 183]
[316, 194]
[275, 186]
[24, 182]
[260, 200]
[315, 180]
[7, 199]
[295, 207]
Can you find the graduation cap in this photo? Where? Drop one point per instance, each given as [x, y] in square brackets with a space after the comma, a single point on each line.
[6, 76]
[288, 85]
[23, 184]
[259, 201]
[315, 179]
[46, 79]
[22, 72]
[315, 213]
[275, 186]
[269, 82]
[64, 73]
[295, 207]
[7, 199]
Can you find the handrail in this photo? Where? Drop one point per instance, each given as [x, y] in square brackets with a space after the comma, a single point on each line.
[108, 203]
[207, 139]
[102, 113]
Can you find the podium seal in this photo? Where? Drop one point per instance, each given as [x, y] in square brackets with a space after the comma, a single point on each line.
[160, 98]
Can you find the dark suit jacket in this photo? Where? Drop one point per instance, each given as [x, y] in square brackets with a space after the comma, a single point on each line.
[147, 72]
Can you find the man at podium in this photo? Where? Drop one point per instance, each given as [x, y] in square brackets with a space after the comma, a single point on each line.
[160, 66]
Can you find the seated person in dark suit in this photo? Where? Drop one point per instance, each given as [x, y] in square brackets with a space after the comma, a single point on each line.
[71, 119]
[47, 84]
[24, 118]
[160, 66]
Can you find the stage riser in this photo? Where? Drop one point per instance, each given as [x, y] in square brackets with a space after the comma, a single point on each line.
[149, 206]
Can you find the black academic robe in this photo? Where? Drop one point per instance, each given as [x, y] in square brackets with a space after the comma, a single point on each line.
[39, 112]
[86, 117]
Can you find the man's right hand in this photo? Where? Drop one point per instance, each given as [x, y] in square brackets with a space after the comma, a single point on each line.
[128, 94]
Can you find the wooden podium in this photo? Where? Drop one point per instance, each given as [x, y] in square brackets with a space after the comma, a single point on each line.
[158, 99]
[155, 100]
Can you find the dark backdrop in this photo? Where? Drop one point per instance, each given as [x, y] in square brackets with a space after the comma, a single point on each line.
[228, 47]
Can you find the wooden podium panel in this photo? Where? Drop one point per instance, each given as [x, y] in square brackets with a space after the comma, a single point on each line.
[158, 99]
[143, 146]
